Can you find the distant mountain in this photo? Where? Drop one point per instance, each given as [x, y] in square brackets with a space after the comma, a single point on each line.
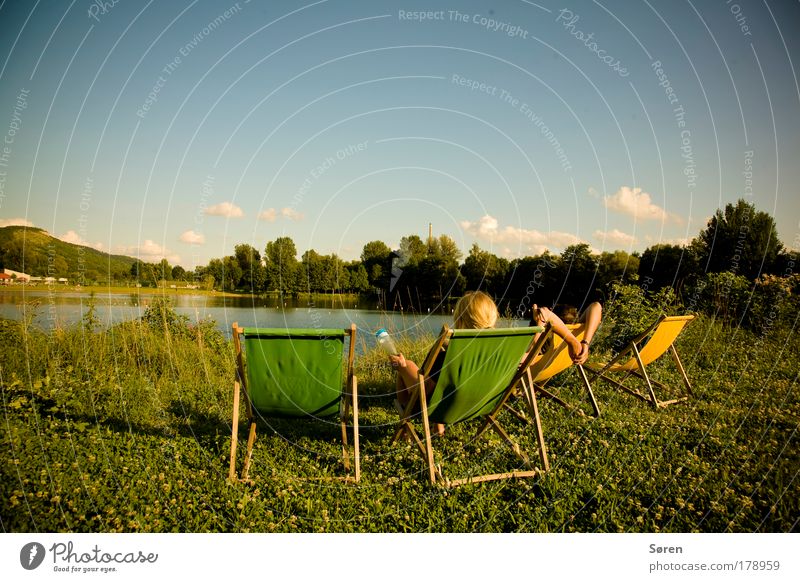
[35, 252]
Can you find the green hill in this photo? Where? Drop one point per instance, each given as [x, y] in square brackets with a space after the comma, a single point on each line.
[34, 251]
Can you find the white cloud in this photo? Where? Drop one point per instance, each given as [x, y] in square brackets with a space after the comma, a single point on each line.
[638, 204]
[528, 241]
[73, 237]
[227, 209]
[193, 238]
[269, 215]
[149, 252]
[614, 238]
[14, 222]
[291, 214]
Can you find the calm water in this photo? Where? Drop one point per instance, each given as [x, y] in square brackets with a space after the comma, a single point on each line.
[67, 308]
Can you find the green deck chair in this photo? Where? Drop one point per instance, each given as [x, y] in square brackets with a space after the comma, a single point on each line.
[294, 373]
[644, 350]
[481, 368]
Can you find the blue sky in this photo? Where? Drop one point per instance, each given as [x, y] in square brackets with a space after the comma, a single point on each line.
[179, 129]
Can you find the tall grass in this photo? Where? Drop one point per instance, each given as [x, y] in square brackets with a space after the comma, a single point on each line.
[128, 429]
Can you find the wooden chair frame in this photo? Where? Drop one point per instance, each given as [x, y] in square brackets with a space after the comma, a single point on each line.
[539, 385]
[641, 373]
[349, 404]
[406, 428]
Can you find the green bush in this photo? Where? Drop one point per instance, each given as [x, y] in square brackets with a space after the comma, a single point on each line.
[736, 301]
[629, 312]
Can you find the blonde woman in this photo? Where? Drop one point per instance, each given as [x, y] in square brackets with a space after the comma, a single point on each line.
[475, 310]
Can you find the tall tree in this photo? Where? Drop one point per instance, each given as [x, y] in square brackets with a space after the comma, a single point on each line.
[412, 250]
[282, 267]
[178, 273]
[664, 265]
[483, 270]
[739, 239]
[312, 267]
[376, 257]
[232, 273]
[616, 266]
[253, 275]
[578, 276]
[164, 270]
[359, 281]
[216, 270]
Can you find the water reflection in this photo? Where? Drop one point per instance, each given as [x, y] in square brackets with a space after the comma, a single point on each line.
[305, 311]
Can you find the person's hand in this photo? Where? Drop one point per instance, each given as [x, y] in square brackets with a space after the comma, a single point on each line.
[583, 356]
[537, 315]
[575, 349]
[398, 361]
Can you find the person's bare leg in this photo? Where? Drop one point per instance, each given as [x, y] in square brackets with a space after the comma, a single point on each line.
[591, 318]
[544, 315]
[407, 375]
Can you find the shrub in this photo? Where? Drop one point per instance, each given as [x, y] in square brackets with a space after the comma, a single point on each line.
[629, 312]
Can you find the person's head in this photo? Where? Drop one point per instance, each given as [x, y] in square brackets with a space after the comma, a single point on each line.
[475, 310]
[567, 313]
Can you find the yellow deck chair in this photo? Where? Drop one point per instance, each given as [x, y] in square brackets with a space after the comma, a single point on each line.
[647, 348]
[554, 361]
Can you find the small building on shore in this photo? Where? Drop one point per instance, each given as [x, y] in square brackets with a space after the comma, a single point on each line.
[5, 279]
[17, 276]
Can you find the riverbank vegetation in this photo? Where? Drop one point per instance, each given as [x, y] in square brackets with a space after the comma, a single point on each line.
[738, 241]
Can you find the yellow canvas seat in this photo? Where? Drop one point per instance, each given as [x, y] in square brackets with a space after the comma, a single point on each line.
[556, 360]
[645, 349]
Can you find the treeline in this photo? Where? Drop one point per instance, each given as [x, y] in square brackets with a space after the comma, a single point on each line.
[738, 240]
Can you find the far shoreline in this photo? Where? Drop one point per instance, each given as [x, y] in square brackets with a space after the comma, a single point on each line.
[117, 290]
[120, 290]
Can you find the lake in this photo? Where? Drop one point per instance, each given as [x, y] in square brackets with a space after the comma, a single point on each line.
[65, 308]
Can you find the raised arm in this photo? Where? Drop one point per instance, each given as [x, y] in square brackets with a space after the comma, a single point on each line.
[578, 352]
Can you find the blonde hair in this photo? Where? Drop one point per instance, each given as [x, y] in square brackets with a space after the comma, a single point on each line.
[475, 310]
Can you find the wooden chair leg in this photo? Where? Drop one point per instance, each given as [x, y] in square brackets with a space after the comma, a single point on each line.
[234, 431]
[539, 432]
[592, 399]
[423, 400]
[654, 400]
[680, 368]
[356, 452]
[343, 420]
[251, 439]
[509, 441]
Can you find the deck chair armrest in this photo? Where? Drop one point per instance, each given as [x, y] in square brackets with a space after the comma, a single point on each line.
[430, 359]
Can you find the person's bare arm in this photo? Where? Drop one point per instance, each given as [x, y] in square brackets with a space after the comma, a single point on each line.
[576, 349]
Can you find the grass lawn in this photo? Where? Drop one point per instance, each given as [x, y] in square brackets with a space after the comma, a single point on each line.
[129, 430]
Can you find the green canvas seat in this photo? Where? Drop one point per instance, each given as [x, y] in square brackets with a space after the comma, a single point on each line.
[480, 370]
[294, 373]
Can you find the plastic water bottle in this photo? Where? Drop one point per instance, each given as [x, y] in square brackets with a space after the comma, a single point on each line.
[385, 342]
